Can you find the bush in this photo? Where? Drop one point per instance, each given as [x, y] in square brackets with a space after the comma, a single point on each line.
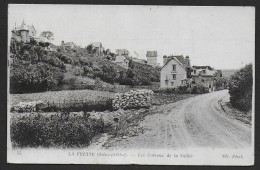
[240, 88]
[34, 77]
[165, 91]
[77, 106]
[220, 83]
[199, 89]
[53, 131]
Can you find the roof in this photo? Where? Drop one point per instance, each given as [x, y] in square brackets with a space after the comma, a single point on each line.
[203, 67]
[175, 58]
[181, 59]
[69, 43]
[120, 59]
[151, 54]
[97, 44]
[22, 27]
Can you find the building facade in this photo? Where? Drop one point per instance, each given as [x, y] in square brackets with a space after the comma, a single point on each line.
[152, 58]
[122, 61]
[97, 46]
[123, 52]
[67, 45]
[173, 74]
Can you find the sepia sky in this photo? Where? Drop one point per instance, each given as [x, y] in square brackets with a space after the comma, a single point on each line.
[222, 37]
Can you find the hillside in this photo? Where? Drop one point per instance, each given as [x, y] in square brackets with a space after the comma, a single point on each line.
[36, 67]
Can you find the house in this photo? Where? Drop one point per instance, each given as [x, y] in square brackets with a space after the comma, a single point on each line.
[122, 61]
[97, 46]
[24, 33]
[205, 71]
[123, 52]
[68, 45]
[205, 75]
[152, 58]
[175, 72]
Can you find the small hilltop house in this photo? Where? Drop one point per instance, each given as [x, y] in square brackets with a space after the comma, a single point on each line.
[97, 46]
[123, 52]
[122, 61]
[70, 45]
[152, 58]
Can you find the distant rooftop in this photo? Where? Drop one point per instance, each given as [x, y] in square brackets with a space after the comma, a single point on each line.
[151, 54]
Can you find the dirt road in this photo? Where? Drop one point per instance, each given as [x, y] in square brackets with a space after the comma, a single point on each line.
[194, 122]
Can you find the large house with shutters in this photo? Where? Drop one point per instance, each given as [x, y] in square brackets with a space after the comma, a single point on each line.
[176, 71]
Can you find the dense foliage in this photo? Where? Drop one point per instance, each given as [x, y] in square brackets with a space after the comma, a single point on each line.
[33, 68]
[240, 88]
[53, 130]
[220, 83]
[37, 67]
[194, 89]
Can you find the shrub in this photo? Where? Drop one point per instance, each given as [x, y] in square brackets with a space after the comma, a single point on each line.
[220, 83]
[240, 88]
[199, 89]
[34, 78]
[77, 106]
[53, 131]
[165, 91]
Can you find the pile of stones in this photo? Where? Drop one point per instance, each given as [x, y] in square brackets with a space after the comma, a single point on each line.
[27, 106]
[133, 99]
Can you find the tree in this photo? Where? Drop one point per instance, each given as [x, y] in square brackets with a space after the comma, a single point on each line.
[240, 88]
[48, 34]
[90, 48]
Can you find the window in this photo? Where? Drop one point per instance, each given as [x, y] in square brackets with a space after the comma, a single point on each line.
[194, 71]
[174, 76]
[172, 83]
[173, 67]
[166, 80]
[204, 71]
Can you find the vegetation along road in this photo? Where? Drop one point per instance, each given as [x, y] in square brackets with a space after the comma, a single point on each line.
[194, 122]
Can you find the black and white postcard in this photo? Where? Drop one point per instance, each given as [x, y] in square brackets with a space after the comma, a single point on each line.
[131, 84]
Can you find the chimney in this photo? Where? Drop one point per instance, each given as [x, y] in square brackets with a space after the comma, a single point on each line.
[62, 45]
[187, 61]
[165, 59]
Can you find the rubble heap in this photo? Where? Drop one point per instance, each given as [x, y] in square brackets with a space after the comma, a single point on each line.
[27, 106]
[133, 99]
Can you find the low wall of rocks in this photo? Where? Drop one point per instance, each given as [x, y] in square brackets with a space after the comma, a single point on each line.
[27, 106]
[133, 99]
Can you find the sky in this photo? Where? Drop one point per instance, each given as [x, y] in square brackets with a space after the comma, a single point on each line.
[222, 37]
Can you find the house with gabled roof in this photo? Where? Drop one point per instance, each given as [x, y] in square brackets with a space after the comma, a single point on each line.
[97, 46]
[152, 58]
[175, 72]
[122, 61]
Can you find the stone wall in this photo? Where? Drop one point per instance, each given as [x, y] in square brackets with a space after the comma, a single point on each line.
[133, 99]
